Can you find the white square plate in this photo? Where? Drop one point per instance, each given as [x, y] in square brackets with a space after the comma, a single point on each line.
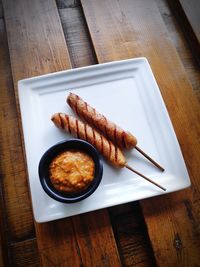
[127, 93]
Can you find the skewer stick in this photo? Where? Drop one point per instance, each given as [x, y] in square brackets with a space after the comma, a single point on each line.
[149, 158]
[146, 178]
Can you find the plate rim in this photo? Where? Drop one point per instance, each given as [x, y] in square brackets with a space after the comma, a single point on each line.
[21, 83]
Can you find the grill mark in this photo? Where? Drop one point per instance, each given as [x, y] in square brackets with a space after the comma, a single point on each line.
[88, 117]
[109, 149]
[76, 108]
[115, 134]
[69, 128]
[69, 101]
[85, 132]
[101, 143]
[94, 137]
[77, 97]
[77, 129]
[94, 111]
[116, 153]
[61, 121]
[123, 139]
[86, 106]
[105, 125]
[91, 121]
[84, 116]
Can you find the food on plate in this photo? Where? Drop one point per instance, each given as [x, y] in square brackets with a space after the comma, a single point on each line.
[71, 171]
[120, 137]
[83, 131]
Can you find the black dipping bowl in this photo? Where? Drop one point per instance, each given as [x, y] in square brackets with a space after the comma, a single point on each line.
[52, 152]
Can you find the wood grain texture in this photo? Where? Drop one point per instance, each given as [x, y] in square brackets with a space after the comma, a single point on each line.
[16, 215]
[85, 226]
[4, 253]
[192, 11]
[77, 36]
[67, 4]
[91, 232]
[17, 204]
[133, 247]
[57, 244]
[125, 29]
[42, 49]
[131, 235]
[187, 13]
[37, 25]
[1, 10]
[179, 41]
[24, 254]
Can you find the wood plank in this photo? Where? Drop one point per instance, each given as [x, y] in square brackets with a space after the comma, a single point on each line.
[77, 36]
[16, 195]
[42, 49]
[1, 10]
[16, 215]
[62, 4]
[134, 247]
[4, 253]
[192, 11]
[14, 185]
[29, 58]
[92, 234]
[131, 235]
[125, 29]
[82, 54]
[179, 41]
[24, 253]
[187, 13]
[38, 26]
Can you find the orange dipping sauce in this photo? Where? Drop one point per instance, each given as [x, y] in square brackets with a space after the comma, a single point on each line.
[72, 171]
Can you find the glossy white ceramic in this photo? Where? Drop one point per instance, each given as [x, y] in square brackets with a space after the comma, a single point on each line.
[127, 93]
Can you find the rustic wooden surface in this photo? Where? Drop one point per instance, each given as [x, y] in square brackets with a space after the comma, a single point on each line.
[88, 239]
[17, 221]
[76, 34]
[187, 13]
[192, 11]
[132, 240]
[1, 10]
[59, 242]
[178, 38]
[118, 31]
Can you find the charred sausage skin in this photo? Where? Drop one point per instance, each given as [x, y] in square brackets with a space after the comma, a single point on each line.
[121, 138]
[83, 131]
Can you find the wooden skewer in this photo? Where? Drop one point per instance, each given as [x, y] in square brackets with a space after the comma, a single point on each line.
[146, 178]
[149, 158]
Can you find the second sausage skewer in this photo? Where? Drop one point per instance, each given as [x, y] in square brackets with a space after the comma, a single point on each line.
[121, 138]
[83, 131]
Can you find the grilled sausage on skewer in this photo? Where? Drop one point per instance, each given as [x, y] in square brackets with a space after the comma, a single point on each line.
[83, 131]
[120, 137]
[89, 114]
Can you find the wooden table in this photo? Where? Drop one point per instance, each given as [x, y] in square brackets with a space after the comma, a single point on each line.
[38, 37]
